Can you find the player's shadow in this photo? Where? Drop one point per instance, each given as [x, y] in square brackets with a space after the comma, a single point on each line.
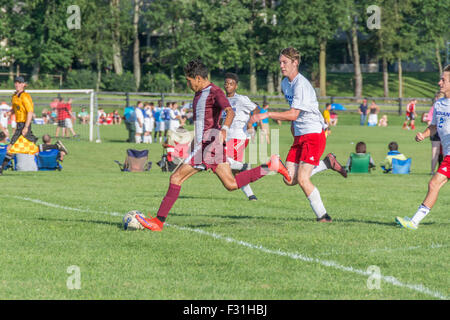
[205, 198]
[240, 217]
[118, 225]
[389, 224]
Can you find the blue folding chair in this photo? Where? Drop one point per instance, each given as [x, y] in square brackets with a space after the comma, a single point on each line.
[48, 160]
[2, 157]
[401, 166]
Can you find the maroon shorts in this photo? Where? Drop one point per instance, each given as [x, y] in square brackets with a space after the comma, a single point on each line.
[236, 148]
[208, 155]
[444, 168]
[307, 148]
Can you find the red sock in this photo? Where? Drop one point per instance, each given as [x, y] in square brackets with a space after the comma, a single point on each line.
[245, 177]
[169, 200]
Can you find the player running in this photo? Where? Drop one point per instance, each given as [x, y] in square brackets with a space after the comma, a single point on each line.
[208, 145]
[440, 123]
[238, 137]
[303, 159]
[23, 108]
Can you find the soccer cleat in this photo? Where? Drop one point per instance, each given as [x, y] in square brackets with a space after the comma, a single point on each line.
[275, 164]
[405, 223]
[325, 218]
[252, 198]
[333, 164]
[61, 147]
[153, 224]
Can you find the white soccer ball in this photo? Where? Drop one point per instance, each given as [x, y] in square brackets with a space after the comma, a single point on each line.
[129, 221]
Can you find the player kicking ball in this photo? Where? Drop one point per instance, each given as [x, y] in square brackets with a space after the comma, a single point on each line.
[238, 136]
[303, 159]
[440, 123]
[208, 145]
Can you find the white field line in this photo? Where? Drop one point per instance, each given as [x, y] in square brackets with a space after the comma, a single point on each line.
[296, 256]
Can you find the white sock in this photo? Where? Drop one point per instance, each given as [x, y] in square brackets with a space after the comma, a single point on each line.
[319, 168]
[316, 203]
[235, 165]
[137, 139]
[247, 190]
[420, 214]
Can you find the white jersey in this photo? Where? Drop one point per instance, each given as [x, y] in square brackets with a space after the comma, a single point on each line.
[441, 119]
[301, 95]
[139, 116]
[174, 122]
[4, 109]
[242, 107]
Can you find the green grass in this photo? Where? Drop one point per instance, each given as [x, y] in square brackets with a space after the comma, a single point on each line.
[42, 235]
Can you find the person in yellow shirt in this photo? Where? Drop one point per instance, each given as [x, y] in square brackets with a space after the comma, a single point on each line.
[23, 109]
[393, 153]
[327, 118]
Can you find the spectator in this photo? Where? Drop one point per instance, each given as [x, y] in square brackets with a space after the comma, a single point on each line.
[411, 115]
[47, 140]
[83, 116]
[333, 118]
[393, 153]
[129, 117]
[360, 150]
[101, 116]
[5, 112]
[54, 111]
[383, 121]
[117, 119]
[3, 141]
[327, 118]
[373, 114]
[363, 112]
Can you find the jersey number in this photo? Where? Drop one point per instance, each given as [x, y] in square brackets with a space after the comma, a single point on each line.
[441, 122]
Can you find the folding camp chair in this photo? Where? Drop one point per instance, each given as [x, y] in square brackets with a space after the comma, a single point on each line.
[359, 163]
[2, 157]
[136, 161]
[401, 166]
[48, 160]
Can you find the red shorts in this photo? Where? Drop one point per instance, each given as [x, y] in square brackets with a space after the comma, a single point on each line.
[444, 168]
[236, 148]
[307, 148]
[207, 156]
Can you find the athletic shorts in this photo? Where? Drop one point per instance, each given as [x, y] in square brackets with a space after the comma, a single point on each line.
[208, 155]
[235, 149]
[307, 148]
[159, 126]
[68, 122]
[435, 137]
[410, 116]
[62, 123]
[444, 168]
[148, 124]
[139, 129]
[166, 125]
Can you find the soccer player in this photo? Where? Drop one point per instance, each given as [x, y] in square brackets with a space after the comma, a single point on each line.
[238, 137]
[441, 124]
[208, 145]
[303, 159]
[148, 122]
[23, 108]
[411, 115]
[139, 123]
[159, 122]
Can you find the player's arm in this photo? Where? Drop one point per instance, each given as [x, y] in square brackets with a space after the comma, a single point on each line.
[429, 131]
[227, 122]
[289, 115]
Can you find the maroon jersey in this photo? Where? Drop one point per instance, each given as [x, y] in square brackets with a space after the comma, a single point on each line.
[207, 107]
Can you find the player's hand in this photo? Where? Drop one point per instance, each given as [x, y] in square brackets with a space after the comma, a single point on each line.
[24, 131]
[419, 137]
[258, 117]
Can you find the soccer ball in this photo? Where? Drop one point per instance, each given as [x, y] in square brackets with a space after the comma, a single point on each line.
[129, 221]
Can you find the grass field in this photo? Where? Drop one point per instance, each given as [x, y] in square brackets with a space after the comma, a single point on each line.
[217, 244]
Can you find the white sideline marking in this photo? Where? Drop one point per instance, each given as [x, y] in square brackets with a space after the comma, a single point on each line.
[296, 256]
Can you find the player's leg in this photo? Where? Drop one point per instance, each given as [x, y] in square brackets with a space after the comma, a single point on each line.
[184, 172]
[292, 168]
[435, 149]
[330, 162]
[311, 192]
[235, 156]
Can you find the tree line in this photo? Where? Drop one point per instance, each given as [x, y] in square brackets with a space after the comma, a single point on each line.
[141, 42]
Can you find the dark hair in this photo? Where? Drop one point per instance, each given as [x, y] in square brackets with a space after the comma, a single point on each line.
[196, 68]
[46, 138]
[327, 104]
[232, 76]
[447, 68]
[2, 135]
[393, 146]
[360, 147]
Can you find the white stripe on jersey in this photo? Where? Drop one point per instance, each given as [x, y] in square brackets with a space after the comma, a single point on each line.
[200, 109]
[301, 95]
[242, 107]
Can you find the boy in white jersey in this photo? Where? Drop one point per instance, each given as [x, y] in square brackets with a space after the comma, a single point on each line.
[148, 122]
[139, 123]
[440, 123]
[303, 159]
[238, 137]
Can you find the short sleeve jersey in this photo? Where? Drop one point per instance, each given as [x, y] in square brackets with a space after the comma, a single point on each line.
[139, 115]
[208, 105]
[301, 95]
[22, 105]
[441, 119]
[242, 107]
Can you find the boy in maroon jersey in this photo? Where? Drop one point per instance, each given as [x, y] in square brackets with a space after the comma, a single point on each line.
[208, 145]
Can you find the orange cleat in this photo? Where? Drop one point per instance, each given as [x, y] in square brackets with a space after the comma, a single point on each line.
[153, 224]
[275, 164]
